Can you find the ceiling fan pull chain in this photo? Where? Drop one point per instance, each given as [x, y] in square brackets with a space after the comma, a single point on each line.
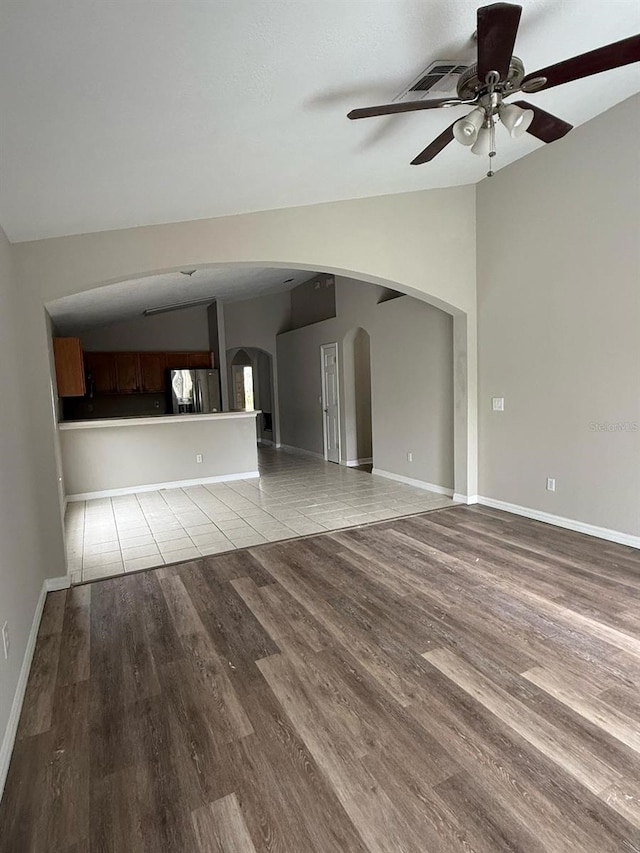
[492, 145]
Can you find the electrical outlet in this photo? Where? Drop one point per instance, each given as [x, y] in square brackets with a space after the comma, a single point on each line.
[198, 457]
[497, 404]
[6, 642]
[551, 484]
[409, 456]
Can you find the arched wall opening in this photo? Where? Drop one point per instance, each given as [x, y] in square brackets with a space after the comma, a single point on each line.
[422, 243]
[356, 370]
[264, 398]
[464, 357]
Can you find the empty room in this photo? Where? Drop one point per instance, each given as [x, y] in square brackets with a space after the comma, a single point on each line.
[320, 427]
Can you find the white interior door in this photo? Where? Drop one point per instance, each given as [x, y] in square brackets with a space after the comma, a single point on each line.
[330, 402]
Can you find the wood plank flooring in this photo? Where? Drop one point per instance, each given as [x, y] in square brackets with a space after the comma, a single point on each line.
[463, 680]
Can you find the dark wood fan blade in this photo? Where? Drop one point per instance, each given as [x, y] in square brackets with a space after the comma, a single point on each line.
[401, 107]
[434, 147]
[594, 62]
[497, 29]
[545, 126]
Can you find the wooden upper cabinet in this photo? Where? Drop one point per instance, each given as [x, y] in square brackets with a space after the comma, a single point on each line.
[153, 371]
[178, 360]
[127, 372]
[136, 372]
[187, 360]
[199, 359]
[67, 354]
[101, 372]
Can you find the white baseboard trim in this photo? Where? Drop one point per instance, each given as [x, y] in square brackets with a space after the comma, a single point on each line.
[154, 487]
[18, 697]
[560, 521]
[266, 442]
[465, 499]
[353, 463]
[301, 450]
[54, 584]
[409, 481]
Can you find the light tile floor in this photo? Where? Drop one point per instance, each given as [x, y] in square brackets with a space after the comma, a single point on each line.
[295, 495]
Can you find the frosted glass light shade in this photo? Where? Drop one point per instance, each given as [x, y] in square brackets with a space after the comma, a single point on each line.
[482, 144]
[516, 120]
[466, 129]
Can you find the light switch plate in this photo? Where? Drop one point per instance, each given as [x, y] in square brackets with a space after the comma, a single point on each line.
[497, 404]
[551, 484]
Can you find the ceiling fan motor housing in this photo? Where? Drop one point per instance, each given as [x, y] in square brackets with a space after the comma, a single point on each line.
[470, 86]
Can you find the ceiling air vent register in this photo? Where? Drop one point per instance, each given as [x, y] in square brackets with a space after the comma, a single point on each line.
[439, 77]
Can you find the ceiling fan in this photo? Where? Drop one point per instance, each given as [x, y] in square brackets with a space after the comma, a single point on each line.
[497, 75]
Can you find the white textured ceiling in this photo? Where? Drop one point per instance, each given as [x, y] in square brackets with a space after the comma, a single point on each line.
[118, 113]
[128, 299]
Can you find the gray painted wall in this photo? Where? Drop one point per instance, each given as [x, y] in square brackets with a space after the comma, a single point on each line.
[559, 320]
[411, 382]
[313, 301]
[255, 324]
[176, 330]
[28, 542]
[115, 457]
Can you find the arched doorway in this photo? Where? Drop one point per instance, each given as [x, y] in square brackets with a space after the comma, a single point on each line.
[464, 346]
[241, 388]
[251, 385]
[356, 355]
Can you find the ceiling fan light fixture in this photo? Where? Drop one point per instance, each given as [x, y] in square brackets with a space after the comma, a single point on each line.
[466, 130]
[482, 145]
[516, 120]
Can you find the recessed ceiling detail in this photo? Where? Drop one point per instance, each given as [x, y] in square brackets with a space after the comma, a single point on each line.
[122, 114]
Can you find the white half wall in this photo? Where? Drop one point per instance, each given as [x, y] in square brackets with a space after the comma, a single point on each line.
[116, 458]
[559, 320]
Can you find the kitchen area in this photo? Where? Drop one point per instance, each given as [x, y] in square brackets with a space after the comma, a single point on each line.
[146, 420]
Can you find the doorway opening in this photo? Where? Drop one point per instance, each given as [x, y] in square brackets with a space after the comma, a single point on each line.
[250, 377]
[242, 390]
[358, 432]
[330, 402]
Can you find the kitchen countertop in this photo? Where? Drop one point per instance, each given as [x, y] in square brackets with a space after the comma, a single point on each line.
[154, 419]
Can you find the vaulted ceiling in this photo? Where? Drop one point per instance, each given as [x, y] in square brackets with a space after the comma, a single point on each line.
[120, 113]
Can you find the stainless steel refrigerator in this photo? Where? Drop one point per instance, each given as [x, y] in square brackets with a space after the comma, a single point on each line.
[194, 391]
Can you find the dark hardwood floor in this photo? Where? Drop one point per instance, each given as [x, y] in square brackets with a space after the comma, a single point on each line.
[462, 680]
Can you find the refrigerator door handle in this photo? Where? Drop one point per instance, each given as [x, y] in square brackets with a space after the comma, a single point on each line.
[198, 388]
